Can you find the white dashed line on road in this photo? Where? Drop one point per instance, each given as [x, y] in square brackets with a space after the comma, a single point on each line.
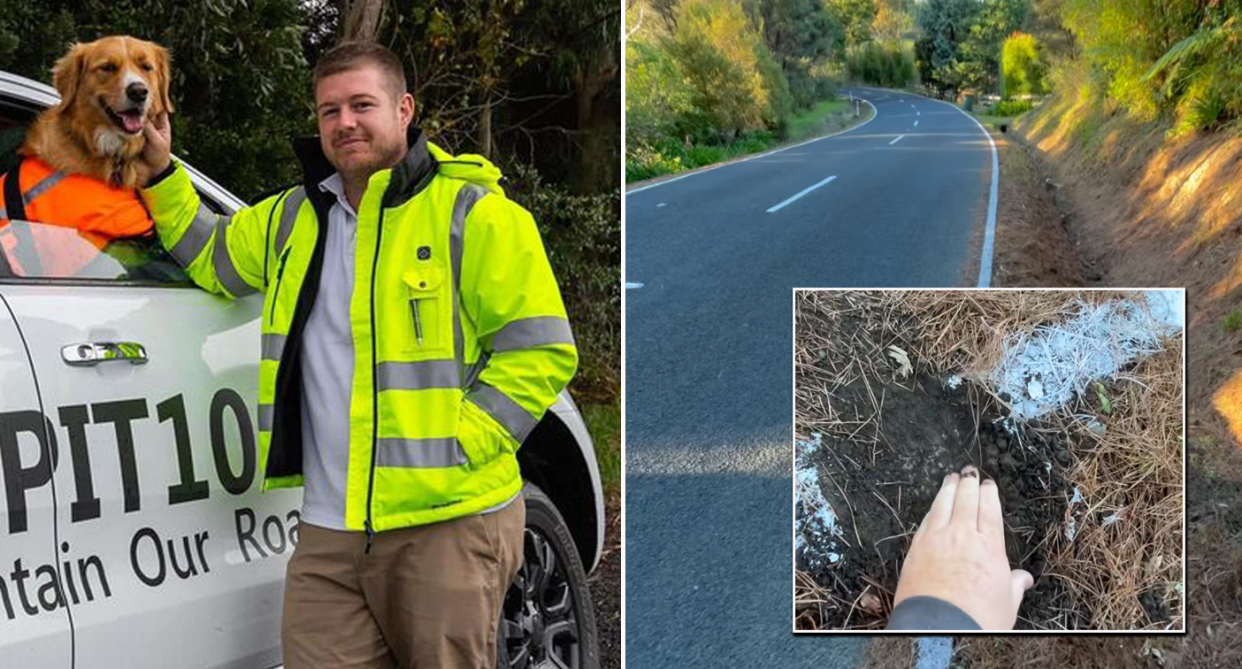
[779, 206]
[662, 204]
[916, 122]
[896, 140]
[629, 285]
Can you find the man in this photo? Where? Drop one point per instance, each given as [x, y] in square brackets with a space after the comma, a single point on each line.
[413, 335]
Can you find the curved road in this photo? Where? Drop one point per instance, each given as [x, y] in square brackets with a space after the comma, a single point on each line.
[708, 507]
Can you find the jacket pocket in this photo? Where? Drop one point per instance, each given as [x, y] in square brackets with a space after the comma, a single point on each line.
[428, 315]
[481, 439]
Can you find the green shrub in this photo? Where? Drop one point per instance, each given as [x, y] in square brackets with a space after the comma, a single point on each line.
[881, 64]
[1022, 66]
[1010, 108]
[1233, 321]
[582, 235]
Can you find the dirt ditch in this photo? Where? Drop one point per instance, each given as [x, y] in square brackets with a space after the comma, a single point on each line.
[882, 481]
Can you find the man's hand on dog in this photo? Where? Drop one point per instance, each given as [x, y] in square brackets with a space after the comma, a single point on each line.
[158, 133]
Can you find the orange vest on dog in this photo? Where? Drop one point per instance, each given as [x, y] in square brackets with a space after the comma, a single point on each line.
[99, 211]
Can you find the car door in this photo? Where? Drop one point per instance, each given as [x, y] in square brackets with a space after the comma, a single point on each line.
[151, 389]
[151, 386]
[34, 621]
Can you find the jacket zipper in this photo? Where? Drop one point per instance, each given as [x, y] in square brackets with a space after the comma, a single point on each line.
[379, 233]
[280, 273]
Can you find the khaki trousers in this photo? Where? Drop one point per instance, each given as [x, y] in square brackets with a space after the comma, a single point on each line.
[424, 597]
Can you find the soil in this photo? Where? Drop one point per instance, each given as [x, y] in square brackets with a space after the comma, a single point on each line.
[1036, 244]
[605, 584]
[888, 478]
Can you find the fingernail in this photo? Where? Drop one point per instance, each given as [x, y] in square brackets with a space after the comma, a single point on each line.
[987, 482]
[969, 470]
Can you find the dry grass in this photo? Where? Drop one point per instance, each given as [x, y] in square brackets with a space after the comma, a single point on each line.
[1133, 470]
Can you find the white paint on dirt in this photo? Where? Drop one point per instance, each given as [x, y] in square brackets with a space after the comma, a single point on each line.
[1043, 370]
[815, 524]
[1168, 306]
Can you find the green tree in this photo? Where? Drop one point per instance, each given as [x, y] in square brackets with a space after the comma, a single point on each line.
[718, 49]
[944, 26]
[855, 16]
[800, 34]
[960, 41]
[1023, 66]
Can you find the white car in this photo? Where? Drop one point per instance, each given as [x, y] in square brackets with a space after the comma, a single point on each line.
[133, 532]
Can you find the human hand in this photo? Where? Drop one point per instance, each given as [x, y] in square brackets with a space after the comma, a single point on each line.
[156, 151]
[958, 554]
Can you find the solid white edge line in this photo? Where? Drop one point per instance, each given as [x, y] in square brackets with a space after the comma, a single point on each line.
[896, 140]
[804, 192]
[989, 234]
[874, 113]
[931, 652]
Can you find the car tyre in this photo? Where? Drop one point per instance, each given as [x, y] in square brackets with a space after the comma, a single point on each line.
[548, 619]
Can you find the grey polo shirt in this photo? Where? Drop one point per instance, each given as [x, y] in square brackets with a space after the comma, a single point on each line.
[328, 371]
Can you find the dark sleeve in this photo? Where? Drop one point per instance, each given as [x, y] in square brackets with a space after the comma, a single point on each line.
[930, 613]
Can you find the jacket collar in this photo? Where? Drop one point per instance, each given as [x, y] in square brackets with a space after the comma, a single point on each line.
[409, 177]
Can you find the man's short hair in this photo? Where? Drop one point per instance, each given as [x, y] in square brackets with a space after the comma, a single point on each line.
[349, 55]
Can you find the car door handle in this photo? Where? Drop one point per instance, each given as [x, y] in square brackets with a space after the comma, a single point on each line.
[93, 353]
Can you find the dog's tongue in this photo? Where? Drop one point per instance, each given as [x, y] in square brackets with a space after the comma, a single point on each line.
[132, 121]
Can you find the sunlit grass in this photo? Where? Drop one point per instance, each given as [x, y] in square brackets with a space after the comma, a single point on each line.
[603, 421]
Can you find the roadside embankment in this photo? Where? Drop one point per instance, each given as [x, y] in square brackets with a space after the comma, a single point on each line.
[1091, 196]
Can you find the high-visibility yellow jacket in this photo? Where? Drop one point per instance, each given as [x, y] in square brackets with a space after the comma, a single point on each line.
[461, 341]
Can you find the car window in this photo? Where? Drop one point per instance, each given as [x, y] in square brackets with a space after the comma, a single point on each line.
[33, 250]
[112, 242]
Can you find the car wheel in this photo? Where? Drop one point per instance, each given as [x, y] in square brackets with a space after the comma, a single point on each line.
[548, 620]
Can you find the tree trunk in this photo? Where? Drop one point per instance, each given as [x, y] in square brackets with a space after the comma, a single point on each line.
[598, 159]
[485, 126]
[360, 19]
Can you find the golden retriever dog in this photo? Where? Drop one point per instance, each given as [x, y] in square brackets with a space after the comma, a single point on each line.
[107, 88]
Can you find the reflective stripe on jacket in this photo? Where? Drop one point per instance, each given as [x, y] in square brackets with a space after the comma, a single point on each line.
[99, 212]
[461, 341]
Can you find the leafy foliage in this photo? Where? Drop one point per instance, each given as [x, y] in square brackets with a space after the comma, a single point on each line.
[1155, 59]
[1010, 108]
[582, 234]
[707, 78]
[960, 40]
[1022, 66]
[882, 64]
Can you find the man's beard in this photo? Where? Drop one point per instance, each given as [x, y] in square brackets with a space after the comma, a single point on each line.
[384, 158]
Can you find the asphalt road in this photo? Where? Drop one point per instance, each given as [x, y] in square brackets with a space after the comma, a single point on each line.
[708, 543]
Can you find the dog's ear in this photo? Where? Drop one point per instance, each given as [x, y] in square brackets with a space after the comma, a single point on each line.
[67, 74]
[164, 71]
